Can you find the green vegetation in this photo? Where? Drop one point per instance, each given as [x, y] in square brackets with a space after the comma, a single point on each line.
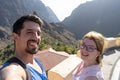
[7, 52]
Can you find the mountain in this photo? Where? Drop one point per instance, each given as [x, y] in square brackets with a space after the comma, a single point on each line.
[5, 37]
[58, 32]
[52, 15]
[52, 31]
[12, 9]
[99, 15]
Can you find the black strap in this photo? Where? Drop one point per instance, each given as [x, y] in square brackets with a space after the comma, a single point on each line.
[16, 60]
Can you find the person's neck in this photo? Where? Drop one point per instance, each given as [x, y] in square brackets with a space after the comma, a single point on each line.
[86, 64]
[25, 58]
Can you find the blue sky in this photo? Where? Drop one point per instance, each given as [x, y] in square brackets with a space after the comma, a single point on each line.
[63, 8]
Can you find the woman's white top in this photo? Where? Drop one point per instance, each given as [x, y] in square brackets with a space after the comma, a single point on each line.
[93, 70]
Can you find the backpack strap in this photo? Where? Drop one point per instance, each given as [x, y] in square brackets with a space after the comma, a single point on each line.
[16, 60]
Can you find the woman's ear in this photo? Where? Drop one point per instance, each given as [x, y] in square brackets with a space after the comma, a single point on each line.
[15, 36]
[98, 53]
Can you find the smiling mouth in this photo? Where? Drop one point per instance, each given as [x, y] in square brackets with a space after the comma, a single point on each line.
[32, 44]
[85, 55]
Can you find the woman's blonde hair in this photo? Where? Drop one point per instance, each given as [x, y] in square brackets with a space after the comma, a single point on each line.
[98, 38]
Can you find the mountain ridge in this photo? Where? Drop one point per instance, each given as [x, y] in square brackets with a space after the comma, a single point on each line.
[13, 9]
[98, 15]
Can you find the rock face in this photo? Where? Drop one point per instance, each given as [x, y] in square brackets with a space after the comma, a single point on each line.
[12, 9]
[99, 15]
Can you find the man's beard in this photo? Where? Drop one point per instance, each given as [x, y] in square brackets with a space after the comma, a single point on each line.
[31, 50]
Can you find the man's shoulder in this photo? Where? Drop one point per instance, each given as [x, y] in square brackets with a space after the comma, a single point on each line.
[12, 69]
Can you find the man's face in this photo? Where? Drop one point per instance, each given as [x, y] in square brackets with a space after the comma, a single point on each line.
[29, 38]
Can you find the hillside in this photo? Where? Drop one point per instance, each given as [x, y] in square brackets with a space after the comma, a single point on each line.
[13, 9]
[57, 31]
[99, 15]
[5, 37]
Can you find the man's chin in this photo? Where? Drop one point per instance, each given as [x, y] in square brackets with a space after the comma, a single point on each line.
[32, 51]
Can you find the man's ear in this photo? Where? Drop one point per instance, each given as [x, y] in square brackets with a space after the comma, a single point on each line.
[15, 36]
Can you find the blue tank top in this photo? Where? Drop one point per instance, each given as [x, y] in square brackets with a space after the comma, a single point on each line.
[35, 74]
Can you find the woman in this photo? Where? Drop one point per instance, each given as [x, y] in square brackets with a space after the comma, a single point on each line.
[91, 50]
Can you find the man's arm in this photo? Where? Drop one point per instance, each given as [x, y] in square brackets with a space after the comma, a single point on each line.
[12, 72]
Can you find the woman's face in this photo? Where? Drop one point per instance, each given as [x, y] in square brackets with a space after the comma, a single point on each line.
[89, 51]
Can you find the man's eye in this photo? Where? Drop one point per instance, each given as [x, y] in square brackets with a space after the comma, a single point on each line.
[29, 32]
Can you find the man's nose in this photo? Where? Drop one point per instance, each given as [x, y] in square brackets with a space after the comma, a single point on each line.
[35, 35]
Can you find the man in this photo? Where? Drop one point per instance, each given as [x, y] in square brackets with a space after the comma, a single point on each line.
[27, 36]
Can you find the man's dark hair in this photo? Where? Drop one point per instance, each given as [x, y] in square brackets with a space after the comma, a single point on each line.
[18, 25]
